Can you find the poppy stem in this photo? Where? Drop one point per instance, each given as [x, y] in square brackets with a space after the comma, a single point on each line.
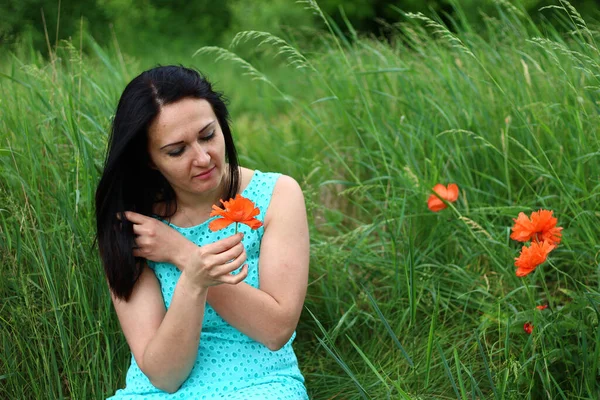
[529, 294]
[236, 224]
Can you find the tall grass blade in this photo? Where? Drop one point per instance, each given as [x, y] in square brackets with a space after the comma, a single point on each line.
[486, 365]
[330, 349]
[447, 370]
[387, 326]
[430, 338]
[461, 384]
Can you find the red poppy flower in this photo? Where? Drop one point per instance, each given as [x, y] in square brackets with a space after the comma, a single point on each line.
[238, 210]
[540, 227]
[542, 307]
[528, 328]
[449, 193]
[532, 256]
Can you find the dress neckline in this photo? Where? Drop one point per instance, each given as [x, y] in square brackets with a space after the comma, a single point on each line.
[180, 228]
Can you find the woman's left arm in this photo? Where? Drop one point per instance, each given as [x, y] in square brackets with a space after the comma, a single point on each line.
[270, 314]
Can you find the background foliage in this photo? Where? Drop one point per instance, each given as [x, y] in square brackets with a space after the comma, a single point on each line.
[143, 26]
[402, 302]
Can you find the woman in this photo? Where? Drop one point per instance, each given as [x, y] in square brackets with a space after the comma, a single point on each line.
[206, 314]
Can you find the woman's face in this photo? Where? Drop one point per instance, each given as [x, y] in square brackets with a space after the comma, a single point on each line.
[186, 145]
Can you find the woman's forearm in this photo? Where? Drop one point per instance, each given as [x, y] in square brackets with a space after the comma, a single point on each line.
[170, 355]
[253, 312]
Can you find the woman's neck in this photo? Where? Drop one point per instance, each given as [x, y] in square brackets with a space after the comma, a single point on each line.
[193, 209]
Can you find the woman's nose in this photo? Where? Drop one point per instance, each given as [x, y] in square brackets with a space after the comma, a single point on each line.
[201, 156]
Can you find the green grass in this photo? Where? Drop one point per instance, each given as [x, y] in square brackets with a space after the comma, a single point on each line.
[402, 303]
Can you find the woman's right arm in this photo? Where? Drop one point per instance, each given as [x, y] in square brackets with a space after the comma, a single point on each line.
[164, 342]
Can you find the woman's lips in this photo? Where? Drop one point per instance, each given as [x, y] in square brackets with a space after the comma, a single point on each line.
[205, 175]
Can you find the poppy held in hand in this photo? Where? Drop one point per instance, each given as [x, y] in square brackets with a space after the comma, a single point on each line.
[238, 210]
[528, 327]
[532, 256]
[540, 227]
[449, 193]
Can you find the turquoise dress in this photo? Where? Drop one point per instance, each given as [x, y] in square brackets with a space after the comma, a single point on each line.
[229, 365]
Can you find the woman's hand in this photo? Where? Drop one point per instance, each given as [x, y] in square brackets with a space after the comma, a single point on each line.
[213, 263]
[205, 266]
[156, 241]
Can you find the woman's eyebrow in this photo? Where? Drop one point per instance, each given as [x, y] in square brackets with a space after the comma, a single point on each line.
[181, 141]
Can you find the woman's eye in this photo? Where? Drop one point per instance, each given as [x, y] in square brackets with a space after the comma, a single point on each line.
[208, 137]
[176, 152]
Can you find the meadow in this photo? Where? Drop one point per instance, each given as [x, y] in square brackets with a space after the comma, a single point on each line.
[403, 302]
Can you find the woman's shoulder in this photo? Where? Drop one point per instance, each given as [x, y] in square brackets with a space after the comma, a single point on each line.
[287, 197]
[270, 190]
[280, 184]
[250, 175]
[247, 175]
[255, 182]
[286, 184]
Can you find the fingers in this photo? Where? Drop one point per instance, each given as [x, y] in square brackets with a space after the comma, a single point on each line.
[225, 244]
[134, 217]
[229, 255]
[235, 279]
[229, 267]
[148, 227]
[139, 229]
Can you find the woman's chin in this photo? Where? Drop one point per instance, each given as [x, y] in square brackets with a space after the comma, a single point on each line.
[208, 184]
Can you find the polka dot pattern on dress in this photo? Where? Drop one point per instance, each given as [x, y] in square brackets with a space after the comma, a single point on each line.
[229, 364]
